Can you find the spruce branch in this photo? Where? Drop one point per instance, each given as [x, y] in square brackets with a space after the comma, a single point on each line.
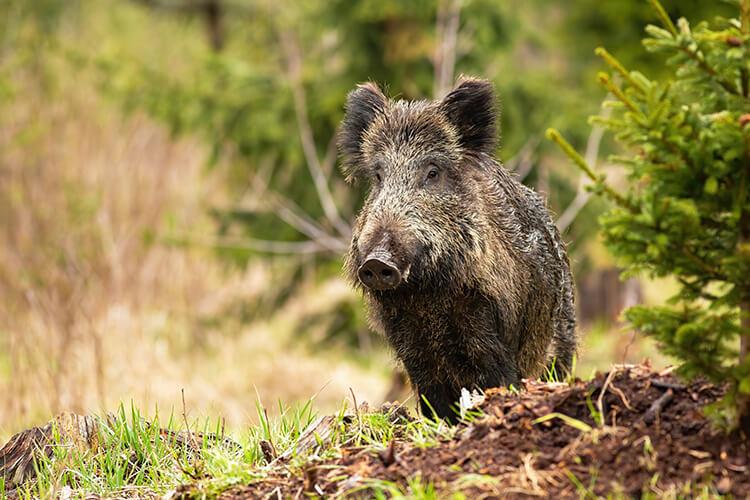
[676, 137]
[663, 16]
[697, 56]
[607, 82]
[555, 136]
[617, 66]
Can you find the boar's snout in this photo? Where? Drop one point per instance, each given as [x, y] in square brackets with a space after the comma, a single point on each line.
[379, 271]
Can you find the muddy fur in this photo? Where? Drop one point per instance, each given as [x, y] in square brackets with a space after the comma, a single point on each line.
[487, 295]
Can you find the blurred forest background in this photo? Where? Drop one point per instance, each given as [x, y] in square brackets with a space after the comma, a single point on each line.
[171, 214]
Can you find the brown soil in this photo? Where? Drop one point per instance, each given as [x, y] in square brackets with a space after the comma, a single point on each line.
[506, 454]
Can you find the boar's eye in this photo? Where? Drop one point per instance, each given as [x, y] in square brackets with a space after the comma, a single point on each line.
[378, 175]
[432, 175]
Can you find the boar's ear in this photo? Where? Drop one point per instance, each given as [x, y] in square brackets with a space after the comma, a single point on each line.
[471, 108]
[363, 104]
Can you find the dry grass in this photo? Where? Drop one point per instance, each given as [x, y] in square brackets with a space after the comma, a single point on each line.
[94, 312]
[95, 309]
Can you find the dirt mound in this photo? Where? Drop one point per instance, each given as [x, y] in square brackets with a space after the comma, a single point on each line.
[631, 431]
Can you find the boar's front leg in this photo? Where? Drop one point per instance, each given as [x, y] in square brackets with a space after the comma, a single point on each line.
[439, 399]
[494, 369]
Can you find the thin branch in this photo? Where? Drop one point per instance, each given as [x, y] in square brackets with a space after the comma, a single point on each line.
[329, 160]
[270, 246]
[261, 178]
[583, 195]
[265, 200]
[600, 399]
[290, 213]
[663, 16]
[256, 245]
[697, 56]
[657, 406]
[521, 164]
[697, 289]
[447, 22]
[287, 210]
[191, 437]
[294, 73]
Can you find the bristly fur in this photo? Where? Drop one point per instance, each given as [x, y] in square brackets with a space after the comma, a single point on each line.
[471, 108]
[362, 106]
[487, 295]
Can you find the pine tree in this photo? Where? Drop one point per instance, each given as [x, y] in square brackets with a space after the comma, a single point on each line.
[686, 210]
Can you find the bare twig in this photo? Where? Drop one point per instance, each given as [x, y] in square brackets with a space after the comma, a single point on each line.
[582, 195]
[294, 73]
[618, 391]
[657, 406]
[630, 343]
[256, 245]
[448, 16]
[600, 399]
[356, 409]
[264, 200]
[258, 183]
[663, 384]
[293, 215]
[190, 435]
[388, 456]
[521, 164]
[329, 160]
[289, 212]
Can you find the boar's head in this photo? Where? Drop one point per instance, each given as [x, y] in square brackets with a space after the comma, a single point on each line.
[426, 163]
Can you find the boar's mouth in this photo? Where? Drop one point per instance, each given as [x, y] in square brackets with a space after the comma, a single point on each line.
[380, 270]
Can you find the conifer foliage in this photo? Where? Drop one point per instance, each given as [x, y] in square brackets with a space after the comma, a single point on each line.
[686, 209]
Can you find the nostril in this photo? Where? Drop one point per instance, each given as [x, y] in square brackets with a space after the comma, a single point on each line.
[377, 274]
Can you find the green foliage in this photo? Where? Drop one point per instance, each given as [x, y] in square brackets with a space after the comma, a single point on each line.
[686, 210]
[242, 100]
[619, 24]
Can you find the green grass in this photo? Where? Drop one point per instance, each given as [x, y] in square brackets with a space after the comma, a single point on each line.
[138, 456]
[135, 458]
